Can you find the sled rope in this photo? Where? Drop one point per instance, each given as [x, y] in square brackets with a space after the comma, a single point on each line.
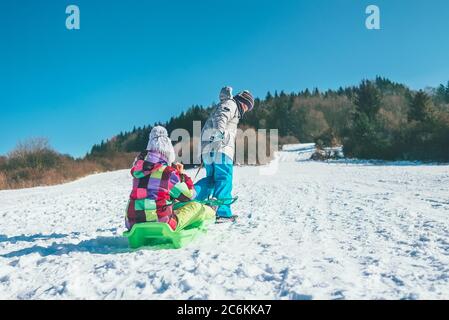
[199, 169]
[209, 202]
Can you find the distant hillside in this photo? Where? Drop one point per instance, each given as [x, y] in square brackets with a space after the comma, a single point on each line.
[137, 139]
[373, 120]
[377, 119]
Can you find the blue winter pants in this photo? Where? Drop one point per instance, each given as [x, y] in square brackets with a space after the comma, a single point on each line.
[218, 181]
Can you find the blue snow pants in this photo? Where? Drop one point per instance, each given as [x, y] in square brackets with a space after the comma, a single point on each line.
[218, 181]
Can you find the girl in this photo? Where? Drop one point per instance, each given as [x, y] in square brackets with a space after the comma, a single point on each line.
[158, 184]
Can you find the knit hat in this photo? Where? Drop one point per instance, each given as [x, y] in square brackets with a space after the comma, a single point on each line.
[245, 101]
[161, 143]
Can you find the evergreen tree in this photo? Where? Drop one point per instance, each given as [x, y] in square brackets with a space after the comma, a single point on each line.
[442, 93]
[306, 93]
[340, 91]
[419, 106]
[368, 99]
[446, 93]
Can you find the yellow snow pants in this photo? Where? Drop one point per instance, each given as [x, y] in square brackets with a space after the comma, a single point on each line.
[193, 212]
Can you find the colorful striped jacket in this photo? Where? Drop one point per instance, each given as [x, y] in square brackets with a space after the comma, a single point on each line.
[155, 187]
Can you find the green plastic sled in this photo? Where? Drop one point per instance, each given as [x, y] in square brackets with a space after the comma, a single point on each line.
[156, 234]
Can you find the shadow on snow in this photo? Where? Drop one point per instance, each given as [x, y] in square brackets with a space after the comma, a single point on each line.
[99, 245]
[32, 238]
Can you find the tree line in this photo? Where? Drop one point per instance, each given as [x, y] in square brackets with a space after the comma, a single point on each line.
[377, 119]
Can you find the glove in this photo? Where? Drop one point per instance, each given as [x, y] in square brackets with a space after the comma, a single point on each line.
[179, 166]
[225, 93]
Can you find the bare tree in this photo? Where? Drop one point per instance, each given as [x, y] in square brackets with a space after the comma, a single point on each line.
[30, 146]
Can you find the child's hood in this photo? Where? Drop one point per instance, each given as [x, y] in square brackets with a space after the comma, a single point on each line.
[152, 162]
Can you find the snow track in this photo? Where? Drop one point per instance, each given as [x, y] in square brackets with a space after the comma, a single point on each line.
[311, 231]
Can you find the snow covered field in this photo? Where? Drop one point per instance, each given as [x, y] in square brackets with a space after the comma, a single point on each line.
[312, 231]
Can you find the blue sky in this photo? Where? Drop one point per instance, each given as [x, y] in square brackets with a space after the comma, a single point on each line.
[135, 62]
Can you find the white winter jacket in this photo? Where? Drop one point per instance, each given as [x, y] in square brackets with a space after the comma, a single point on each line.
[220, 130]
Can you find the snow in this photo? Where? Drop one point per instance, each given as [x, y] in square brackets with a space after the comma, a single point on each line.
[299, 147]
[311, 231]
[296, 152]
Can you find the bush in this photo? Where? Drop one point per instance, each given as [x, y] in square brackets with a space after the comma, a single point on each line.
[3, 181]
[288, 140]
[34, 163]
